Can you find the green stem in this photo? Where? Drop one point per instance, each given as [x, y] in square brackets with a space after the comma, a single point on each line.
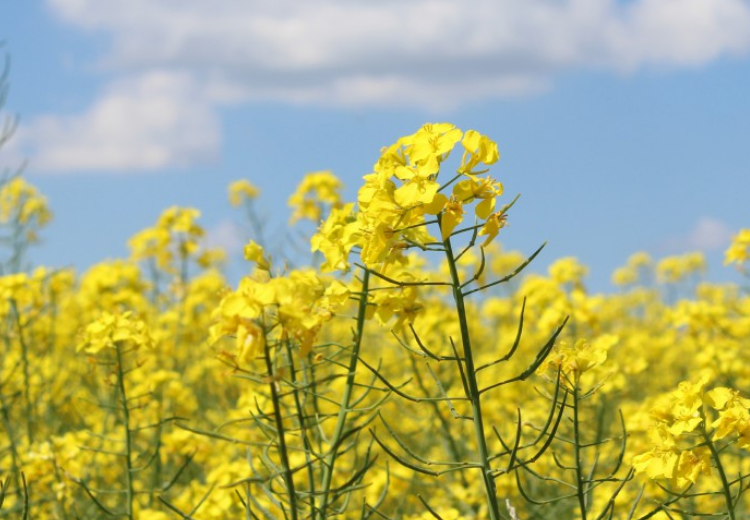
[724, 482]
[580, 491]
[26, 383]
[346, 398]
[283, 452]
[15, 459]
[128, 433]
[473, 388]
[299, 406]
[156, 480]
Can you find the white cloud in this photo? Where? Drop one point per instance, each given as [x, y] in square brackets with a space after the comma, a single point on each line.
[226, 235]
[426, 52]
[175, 61]
[156, 120]
[708, 234]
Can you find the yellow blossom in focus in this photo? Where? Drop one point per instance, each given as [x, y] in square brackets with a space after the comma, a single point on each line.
[486, 190]
[453, 214]
[479, 149]
[430, 145]
[492, 227]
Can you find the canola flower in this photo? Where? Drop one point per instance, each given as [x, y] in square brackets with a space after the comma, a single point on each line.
[301, 393]
[111, 330]
[317, 191]
[403, 189]
[241, 191]
[691, 434]
[22, 202]
[739, 251]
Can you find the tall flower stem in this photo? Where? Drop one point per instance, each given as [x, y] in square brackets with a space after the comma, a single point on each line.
[128, 434]
[472, 386]
[26, 376]
[283, 451]
[328, 467]
[722, 474]
[580, 491]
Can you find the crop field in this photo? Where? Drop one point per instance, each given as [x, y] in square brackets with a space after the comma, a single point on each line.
[415, 370]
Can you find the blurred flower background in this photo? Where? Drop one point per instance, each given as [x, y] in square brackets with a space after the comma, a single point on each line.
[623, 123]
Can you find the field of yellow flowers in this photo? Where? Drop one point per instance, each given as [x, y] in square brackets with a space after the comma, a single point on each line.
[413, 371]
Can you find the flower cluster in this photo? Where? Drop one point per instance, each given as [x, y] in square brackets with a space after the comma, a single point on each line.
[262, 307]
[316, 192]
[739, 252]
[403, 189]
[684, 437]
[284, 393]
[112, 330]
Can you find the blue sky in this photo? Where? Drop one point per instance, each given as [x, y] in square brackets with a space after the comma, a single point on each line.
[624, 125]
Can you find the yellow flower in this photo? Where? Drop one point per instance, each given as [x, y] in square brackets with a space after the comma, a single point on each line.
[743, 429]
[687, 401]
[492, 227]
[112, 329]
[581, 356]
[722, 398]
[181, 220]
[478, 149]
[242, 190]
[731, 420]
[176, 235]
[739, 251]
[568, 270]
[316, 190]
[254, 253]
[250, 341]
[416, 190]
[336, 237]
[673, 269]
[661, 461]
[691, 464]
[453, 214]
[624, 276]
[22, 204]
[486, 190]
[430, 145]
[657, 463]
[403, 304]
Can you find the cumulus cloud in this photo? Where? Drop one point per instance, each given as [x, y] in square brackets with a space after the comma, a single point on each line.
[226, 235]
[156, 120]
[432, 53]
[174, 62]
[708, 234]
